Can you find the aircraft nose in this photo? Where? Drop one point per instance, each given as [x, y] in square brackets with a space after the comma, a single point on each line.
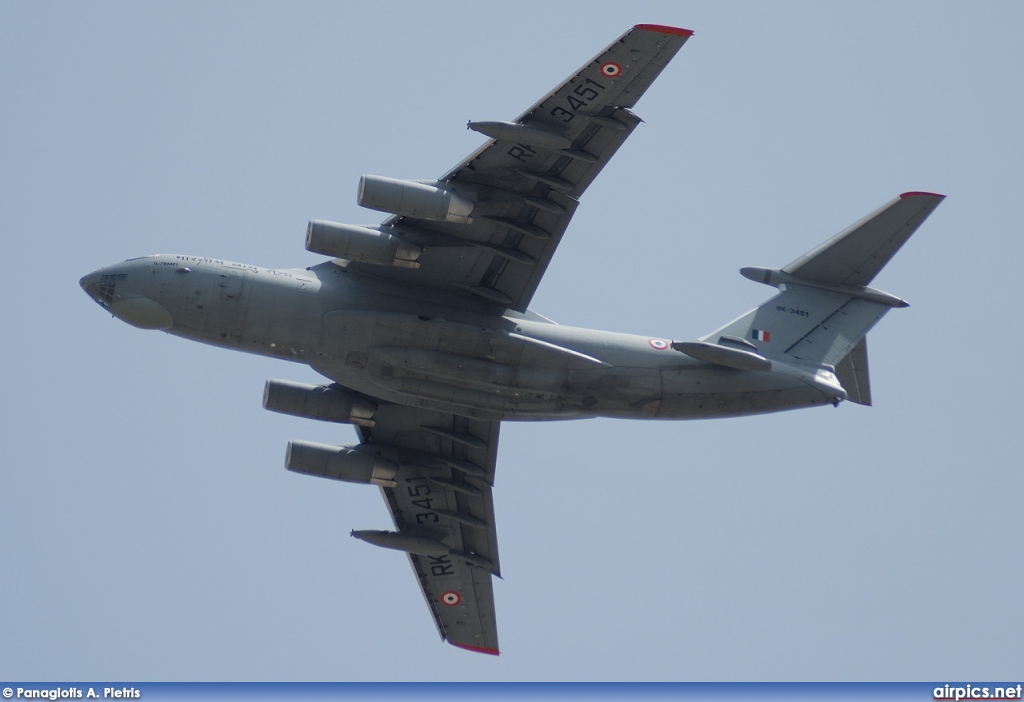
[88, 280]
[91, 285]
[112, 290]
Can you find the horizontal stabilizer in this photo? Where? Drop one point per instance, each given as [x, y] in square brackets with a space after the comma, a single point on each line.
[856, 254]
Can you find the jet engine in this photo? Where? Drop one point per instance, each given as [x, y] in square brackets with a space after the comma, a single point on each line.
[351, 464]
[412, 199]
[328, 403]
[360, 244]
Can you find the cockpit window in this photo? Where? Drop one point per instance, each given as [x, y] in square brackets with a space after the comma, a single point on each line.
[104, 290]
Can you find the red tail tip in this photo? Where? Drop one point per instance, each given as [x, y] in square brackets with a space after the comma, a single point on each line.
[665, 29]
[920, 192]
[476, 649]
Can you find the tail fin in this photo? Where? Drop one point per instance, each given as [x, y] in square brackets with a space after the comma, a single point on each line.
[825, 308]
[852, 373]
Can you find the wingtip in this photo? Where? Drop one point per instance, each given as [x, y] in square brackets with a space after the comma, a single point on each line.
[912, 193]
[664, 29]
[477, 649]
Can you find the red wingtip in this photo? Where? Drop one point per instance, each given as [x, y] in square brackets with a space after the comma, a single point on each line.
[477, 649]
[665, 29]
[920, 192]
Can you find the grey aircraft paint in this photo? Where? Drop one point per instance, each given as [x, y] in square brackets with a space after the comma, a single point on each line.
[394, 346]
[424, 331]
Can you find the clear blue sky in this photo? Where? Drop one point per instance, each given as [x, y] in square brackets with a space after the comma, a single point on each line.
[148, 529]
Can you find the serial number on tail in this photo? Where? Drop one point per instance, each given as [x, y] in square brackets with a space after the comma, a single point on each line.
[792, 310]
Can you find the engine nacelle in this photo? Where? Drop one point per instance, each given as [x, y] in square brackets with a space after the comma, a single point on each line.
[411, 199]
[328, 403]
[350, 464]
[360, 244]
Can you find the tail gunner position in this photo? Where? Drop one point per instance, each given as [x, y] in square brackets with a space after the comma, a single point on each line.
[421, 323]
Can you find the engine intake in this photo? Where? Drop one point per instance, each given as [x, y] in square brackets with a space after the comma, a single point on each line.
[327, 403]
[411, 199]
[351, 464]
[360, 244]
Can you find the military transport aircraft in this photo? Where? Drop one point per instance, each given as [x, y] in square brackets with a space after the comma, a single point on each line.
[422, 325]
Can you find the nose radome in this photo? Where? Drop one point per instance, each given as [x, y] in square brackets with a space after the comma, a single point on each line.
[87, 280]
[91, 285]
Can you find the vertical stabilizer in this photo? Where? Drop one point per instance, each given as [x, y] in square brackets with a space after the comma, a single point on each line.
[852, 372]
[824, 307]
[806, 325]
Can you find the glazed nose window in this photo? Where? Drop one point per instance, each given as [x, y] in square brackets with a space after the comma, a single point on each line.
[103, 290]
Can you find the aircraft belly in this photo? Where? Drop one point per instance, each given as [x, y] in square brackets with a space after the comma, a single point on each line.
[617, 392]
[702, 392]
[449, 366]
[491, 371]
[448, 397]
[462, 380]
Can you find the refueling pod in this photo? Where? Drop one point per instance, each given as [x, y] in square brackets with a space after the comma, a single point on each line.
[329, 403]
[412, 199]
[351, 464]
[360, 244]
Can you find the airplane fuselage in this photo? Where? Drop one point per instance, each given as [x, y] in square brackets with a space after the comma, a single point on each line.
[425, 348]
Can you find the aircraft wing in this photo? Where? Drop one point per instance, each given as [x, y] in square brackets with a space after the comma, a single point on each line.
[525, 182]
[443, 493]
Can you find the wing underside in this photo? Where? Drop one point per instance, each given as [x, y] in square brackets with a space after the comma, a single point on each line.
[443, 494]
[524, 187]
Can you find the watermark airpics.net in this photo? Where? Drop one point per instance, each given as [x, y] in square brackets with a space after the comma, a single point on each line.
[72, 693]
[976, 692]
